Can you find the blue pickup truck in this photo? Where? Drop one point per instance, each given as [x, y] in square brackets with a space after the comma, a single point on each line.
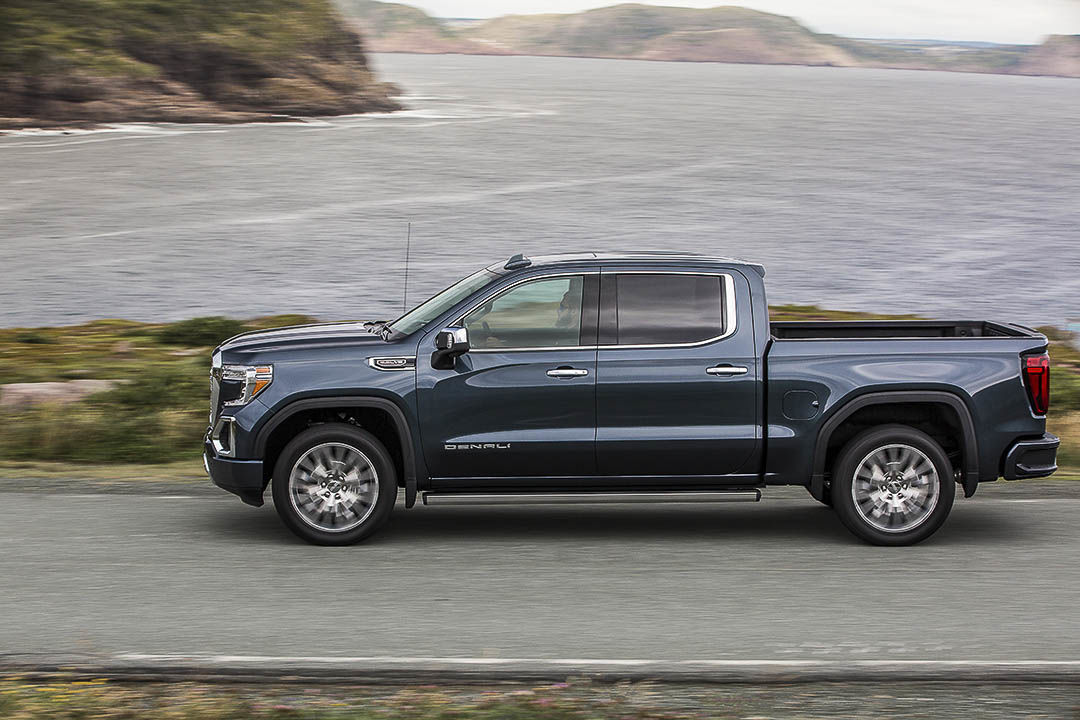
[637, 377]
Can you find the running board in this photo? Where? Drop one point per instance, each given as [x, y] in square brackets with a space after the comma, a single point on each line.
[570, 498]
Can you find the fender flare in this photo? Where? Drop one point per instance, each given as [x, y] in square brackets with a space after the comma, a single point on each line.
[396, 414]
[920, 397]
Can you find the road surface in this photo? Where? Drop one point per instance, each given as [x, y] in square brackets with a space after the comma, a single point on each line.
[152, 577]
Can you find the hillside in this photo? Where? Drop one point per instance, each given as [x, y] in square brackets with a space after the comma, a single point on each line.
[720, 34]
[725, 34]
[1059, 55]
[71, 61]
[393, 27]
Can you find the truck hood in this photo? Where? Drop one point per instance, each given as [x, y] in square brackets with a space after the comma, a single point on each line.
[301, 336]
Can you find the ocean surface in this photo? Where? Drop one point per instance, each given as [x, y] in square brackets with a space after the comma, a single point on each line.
[944, 194]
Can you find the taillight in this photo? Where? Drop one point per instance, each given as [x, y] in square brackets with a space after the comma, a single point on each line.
[1037, 379]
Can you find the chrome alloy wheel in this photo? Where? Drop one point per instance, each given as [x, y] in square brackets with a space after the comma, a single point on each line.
[896, 488]
[333, 487]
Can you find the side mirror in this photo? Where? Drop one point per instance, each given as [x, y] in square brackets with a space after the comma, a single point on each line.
[449, 344]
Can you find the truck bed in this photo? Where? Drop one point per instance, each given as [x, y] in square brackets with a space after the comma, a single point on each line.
[870, 329]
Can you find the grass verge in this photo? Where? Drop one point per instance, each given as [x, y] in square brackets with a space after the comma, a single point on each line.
[179, 472]
[561, 701]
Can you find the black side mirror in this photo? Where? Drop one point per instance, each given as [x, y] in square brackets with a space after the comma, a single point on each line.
[449, 344]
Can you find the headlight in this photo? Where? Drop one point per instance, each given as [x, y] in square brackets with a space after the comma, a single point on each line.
[240, 383]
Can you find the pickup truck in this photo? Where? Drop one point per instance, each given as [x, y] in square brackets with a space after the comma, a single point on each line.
[638, 377]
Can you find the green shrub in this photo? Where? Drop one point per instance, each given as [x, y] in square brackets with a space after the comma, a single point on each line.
[1066, 427]
[176, 386]
[201, 331]
[276, 321]
[33, 337]
[86, 432]
[1064, 390]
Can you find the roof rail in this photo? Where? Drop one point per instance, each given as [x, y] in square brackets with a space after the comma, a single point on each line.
[516, 262]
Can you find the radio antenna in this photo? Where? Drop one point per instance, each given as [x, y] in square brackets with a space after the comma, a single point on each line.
[405, 294]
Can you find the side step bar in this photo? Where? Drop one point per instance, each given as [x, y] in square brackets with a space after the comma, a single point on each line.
[569, 498]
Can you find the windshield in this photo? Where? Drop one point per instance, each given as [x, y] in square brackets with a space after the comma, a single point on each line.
[427, 311]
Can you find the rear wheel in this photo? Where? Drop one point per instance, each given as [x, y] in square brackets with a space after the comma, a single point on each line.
[334, 484]
[893, 485]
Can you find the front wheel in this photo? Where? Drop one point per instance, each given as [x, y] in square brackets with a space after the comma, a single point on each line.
[334, 484]
[893, 485]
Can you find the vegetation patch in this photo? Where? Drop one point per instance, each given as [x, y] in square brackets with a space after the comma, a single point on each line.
[157, 415]
[201, 331]
[99, 699]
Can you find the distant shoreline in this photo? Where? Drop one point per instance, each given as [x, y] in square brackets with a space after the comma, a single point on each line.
[728, 62]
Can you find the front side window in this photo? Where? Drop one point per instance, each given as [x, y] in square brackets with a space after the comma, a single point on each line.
[539, 313]
[668, 309]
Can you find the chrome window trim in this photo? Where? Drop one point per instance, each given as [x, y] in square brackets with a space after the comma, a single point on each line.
[410, 363]
[730, 314]
[730, 323]
[491, 298]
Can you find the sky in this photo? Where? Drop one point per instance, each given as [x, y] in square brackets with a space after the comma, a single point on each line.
[1003, 21]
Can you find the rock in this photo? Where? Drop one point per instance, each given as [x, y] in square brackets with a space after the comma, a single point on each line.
[17, 396]
[123, 347]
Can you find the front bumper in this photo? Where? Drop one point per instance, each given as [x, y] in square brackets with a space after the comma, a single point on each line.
[1031, 458]
[243, 478]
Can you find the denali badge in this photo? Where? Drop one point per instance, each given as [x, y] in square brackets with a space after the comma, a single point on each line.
[406, 362]
[476, 446]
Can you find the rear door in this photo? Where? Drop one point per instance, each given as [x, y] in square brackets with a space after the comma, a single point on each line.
[677, 376]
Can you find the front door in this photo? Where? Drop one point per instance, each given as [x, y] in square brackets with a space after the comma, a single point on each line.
[521, 403]
[677, 391]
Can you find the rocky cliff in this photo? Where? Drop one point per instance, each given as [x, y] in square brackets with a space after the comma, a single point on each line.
[86, 61]
[1059, 55]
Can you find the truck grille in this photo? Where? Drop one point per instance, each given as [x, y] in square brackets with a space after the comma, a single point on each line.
[215, 394]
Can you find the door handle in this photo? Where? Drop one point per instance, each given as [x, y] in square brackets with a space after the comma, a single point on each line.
[727, 370]
[567, 372]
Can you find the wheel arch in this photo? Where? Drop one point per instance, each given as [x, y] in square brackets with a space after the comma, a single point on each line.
[968, 441]
[406, 448]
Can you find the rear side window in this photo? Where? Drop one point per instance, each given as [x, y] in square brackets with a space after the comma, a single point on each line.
[667, 309]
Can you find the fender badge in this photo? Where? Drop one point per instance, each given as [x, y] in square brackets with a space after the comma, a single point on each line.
[393, 363]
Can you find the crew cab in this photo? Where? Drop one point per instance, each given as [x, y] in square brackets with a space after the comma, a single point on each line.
[624, 378]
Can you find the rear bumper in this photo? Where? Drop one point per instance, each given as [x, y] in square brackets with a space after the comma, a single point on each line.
[243, 478]
[1031, 458]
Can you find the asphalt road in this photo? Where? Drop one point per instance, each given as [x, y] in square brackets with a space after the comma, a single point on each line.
[146, 576]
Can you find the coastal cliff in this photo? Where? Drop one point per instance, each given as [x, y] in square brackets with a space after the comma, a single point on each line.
[1059, 55]
[74, 62]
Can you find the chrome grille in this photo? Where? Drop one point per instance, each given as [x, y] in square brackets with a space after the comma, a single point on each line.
[215, 393]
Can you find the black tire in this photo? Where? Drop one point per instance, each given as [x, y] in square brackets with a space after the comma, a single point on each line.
[338, 436]
[929, 497]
